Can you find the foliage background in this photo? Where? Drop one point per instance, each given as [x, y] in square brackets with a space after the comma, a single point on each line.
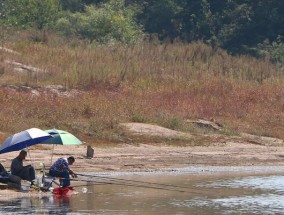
[160, 62]
[239, 26]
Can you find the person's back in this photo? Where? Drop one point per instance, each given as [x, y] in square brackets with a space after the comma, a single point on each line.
[60, 165]
[60, 168]
[16, 166]
[24, 172]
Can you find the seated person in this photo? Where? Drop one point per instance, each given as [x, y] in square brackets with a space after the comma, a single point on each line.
[18, 169]
[6, 177]
[61, 169]
[2, 169]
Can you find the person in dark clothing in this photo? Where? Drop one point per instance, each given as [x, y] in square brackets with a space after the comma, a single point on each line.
[2, 168]
[60, 168]
[4, 175]
[18, 169]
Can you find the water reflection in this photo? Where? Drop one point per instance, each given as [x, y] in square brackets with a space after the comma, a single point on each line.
[208, 194]
[37, 205]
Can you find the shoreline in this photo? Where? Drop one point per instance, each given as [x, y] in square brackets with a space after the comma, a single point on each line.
[7, 195]
[151, 158]
[197, 170]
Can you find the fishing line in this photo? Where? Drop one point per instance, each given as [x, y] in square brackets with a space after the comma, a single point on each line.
[125, 184]
[137, 183]
[91, 183]
[120, 183]
[134, 181]
[88, 181]
[144, 186]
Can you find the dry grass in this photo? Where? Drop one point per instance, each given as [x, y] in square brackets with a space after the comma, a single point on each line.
[149, 82]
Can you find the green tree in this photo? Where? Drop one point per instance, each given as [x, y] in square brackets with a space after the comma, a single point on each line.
[72, 5]
[31, 13]
[161, 17]
[273, 50]
[186, 19]
[197, 20]
[109, 21]
[245, 24]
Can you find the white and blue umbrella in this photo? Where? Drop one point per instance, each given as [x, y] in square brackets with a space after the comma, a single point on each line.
[23, 140]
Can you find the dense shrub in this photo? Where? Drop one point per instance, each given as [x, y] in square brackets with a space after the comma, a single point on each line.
[109, 21]
[30, 13]
[273, 50]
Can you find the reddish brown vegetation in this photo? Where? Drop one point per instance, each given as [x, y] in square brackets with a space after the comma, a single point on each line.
[163, 84]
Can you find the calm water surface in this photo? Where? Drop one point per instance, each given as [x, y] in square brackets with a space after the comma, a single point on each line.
[205, 193]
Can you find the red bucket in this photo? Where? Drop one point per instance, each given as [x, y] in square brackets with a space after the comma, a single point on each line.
[62, 190]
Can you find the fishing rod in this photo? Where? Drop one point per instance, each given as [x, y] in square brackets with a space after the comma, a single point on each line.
[144, 186]
[126, 184]
[133, 181]
[91, 182]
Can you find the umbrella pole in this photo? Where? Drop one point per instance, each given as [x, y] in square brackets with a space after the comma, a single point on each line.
[29, 155]
[52, 154]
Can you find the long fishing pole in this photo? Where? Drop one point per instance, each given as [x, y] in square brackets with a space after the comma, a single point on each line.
[133, 181]
[92, 182]
[127, 184]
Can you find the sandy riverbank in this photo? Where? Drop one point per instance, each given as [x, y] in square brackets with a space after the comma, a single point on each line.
[151, 158]
[146, 157]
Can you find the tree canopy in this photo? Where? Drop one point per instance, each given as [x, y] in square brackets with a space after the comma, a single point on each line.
[239, 26]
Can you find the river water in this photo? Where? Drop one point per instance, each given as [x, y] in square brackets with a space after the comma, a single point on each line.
[193, 190]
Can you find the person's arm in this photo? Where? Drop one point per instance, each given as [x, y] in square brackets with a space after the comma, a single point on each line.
[27, 166]
[72, 173]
